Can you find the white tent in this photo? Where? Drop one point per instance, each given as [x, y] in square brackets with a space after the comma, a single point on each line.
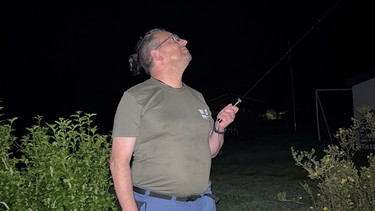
[363, 95]
[363, 88]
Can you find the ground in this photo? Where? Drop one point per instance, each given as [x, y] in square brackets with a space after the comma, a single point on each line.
[251, 171]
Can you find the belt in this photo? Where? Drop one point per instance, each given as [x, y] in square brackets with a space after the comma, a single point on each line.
[163, 196]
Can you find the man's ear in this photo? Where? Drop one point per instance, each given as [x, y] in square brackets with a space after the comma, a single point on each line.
[156, 55]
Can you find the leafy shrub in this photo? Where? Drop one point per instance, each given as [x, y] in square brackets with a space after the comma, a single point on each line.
[340, 183]
[62, 166]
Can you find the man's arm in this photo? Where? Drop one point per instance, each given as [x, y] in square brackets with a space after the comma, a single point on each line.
[121, 155]
[216, 139]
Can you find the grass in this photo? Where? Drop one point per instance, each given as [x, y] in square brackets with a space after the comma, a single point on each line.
[251, 171]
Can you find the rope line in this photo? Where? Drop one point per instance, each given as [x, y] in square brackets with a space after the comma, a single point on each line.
[289, 51]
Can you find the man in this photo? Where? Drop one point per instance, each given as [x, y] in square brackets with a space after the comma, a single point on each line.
[164, 136]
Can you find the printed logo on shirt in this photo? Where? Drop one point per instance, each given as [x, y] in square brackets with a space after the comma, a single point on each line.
[204, 113]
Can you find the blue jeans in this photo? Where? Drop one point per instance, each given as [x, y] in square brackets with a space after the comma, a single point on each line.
[148, 203]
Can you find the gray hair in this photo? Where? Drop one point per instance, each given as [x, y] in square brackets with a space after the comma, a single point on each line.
[142, 58]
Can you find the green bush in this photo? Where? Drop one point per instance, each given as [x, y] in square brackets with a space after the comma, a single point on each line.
[62, 166]
[341, 184]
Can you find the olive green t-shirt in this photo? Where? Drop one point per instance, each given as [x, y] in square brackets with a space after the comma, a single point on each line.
[171, 127]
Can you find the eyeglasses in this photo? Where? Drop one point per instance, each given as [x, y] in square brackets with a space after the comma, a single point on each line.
[175, 37]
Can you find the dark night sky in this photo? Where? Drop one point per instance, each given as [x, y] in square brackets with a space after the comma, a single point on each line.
[58, 58]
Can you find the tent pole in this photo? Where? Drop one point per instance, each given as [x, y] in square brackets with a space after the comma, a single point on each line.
[317, 113]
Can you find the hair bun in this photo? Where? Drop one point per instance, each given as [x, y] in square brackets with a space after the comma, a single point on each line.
[134, 65]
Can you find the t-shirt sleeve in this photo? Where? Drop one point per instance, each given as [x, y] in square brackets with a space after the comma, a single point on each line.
[127, 117]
